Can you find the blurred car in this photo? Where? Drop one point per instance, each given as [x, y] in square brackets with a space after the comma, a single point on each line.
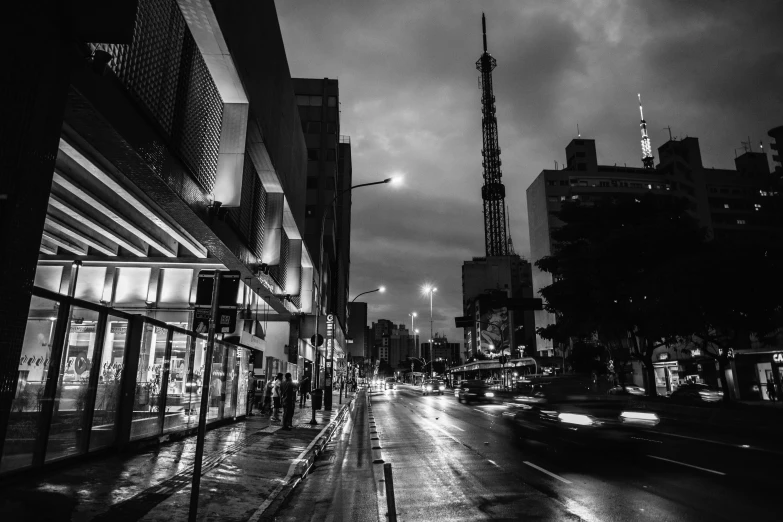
[565, 412]
[390, 383]
[696, 393]
[626, 390]
[473, 390]
[433, 387]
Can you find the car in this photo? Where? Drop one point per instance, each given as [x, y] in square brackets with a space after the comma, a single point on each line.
[433, 387]
[627, 389]
[473, 390]
[564, 413]
[696, 393]
[389, 383]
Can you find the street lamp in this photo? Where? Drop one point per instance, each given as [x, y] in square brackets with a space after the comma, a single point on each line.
[430, 290]
[328, 378]
[380, 289]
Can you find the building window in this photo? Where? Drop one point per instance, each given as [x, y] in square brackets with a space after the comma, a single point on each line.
[757, 206]
[331, 128]
[314, 127]
[740, 221]
[316, 101]
[603, 183]
[331, 155]
[563, 182]
[331, 101]
[553, 199]
[302, 101]
[725, 205]
[312, 154]
[551, 183]
[312, 182]
[581, 166]
[580, 154]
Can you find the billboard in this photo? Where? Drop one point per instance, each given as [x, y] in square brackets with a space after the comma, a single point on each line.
[492, 327]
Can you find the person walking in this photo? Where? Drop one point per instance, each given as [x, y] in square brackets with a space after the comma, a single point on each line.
[276, 397]
[288, 394]
[304, 389]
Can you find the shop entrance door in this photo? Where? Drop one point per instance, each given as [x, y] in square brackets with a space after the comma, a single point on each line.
[765, 375]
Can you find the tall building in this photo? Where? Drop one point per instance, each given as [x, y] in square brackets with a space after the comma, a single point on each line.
[497, 328]
[328, 200]
[391, 342]
[444, 351]
[357, 322]
[146, 147]
[725, 201]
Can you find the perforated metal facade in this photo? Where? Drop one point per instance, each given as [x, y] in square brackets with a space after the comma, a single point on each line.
[164, 71]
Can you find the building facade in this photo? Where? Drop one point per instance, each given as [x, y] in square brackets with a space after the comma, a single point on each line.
[169, 141]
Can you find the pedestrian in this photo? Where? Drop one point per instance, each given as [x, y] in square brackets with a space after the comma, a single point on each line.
[288, 395]
[771, 391]
[276, 397]
[266, 409]
[304, 389]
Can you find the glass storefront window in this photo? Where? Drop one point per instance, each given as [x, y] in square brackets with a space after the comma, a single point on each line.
[231, 369]
[70, 400]
[22, 430]
[193, 385]
[178, 396]
[217, 383]
[109, 377]
[149, 378]
[242, 380]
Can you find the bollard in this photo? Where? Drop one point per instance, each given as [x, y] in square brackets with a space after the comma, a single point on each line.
[390, 504]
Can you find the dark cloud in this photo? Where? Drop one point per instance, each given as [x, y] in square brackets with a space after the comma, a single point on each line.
[410, 103]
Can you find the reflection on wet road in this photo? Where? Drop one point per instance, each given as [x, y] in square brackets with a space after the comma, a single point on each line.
[464, 462]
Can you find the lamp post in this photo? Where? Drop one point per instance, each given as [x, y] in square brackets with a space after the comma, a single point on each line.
[329, 372]
[430, 290]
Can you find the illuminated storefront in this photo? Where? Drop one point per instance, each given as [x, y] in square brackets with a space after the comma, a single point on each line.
[92, 377]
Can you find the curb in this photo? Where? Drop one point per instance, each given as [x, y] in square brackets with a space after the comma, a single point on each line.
[299, 469]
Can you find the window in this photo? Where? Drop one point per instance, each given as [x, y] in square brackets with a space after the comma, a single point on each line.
[316, 101]
[603, 183]
[740, 221]
[553, 199]
[725, 205]
[302, 101]
[563, 182]
[757, 206]
[581, 166]
[713, 190]
[331, 101]
[314, 127]
[312, 182]
[551, 183]
[563, 198]
[312, 154]
[331, 128]
[580, 154]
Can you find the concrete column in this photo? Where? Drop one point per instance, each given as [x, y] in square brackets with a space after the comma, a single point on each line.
[273, 228]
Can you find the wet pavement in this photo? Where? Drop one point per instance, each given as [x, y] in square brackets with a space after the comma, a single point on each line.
[245, 465]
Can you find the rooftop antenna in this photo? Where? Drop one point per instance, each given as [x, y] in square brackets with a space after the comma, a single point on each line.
[670, 133]
[647, 157]
[746, 145]
[578, 134]
[761, 145]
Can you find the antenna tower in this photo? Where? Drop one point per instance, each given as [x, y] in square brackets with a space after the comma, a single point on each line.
[647, 157]
[493, 192]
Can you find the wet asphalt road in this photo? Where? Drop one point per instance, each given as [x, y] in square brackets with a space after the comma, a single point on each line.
[464, 462]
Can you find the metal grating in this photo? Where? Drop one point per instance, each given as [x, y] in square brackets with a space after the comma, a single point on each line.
[281, 270]
[241, 218]
[164, 71]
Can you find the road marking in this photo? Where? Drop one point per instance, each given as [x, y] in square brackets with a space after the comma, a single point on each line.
[558, 477]
[493, 463]
[455, 427]
[648, 440]
[486, 413]
[688, 465]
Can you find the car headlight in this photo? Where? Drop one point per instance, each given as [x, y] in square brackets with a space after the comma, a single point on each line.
[442, 388]
[429, 388]
[489, 394]
[575, 418]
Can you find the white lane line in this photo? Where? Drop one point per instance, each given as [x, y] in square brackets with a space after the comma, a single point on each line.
[486, 413]
[648, 440]
[729, 444]
[455, 427]
[558, 477]
[493, 463]
[688, 465]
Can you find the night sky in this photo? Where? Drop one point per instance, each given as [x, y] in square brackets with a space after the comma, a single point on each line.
[411, 105]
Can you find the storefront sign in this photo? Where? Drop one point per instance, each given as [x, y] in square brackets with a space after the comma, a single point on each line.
[778, 357]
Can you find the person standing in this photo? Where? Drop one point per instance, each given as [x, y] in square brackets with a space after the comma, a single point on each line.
[288, 394]
[304, 389]
[276, 397]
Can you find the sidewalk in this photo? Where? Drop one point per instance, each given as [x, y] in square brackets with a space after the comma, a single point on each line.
[246, 467]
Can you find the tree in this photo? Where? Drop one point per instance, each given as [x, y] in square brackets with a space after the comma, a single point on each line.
[622, 269]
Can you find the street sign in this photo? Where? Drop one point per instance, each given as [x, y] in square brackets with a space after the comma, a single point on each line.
[463, 322]
[317, 340]
[226, 316]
